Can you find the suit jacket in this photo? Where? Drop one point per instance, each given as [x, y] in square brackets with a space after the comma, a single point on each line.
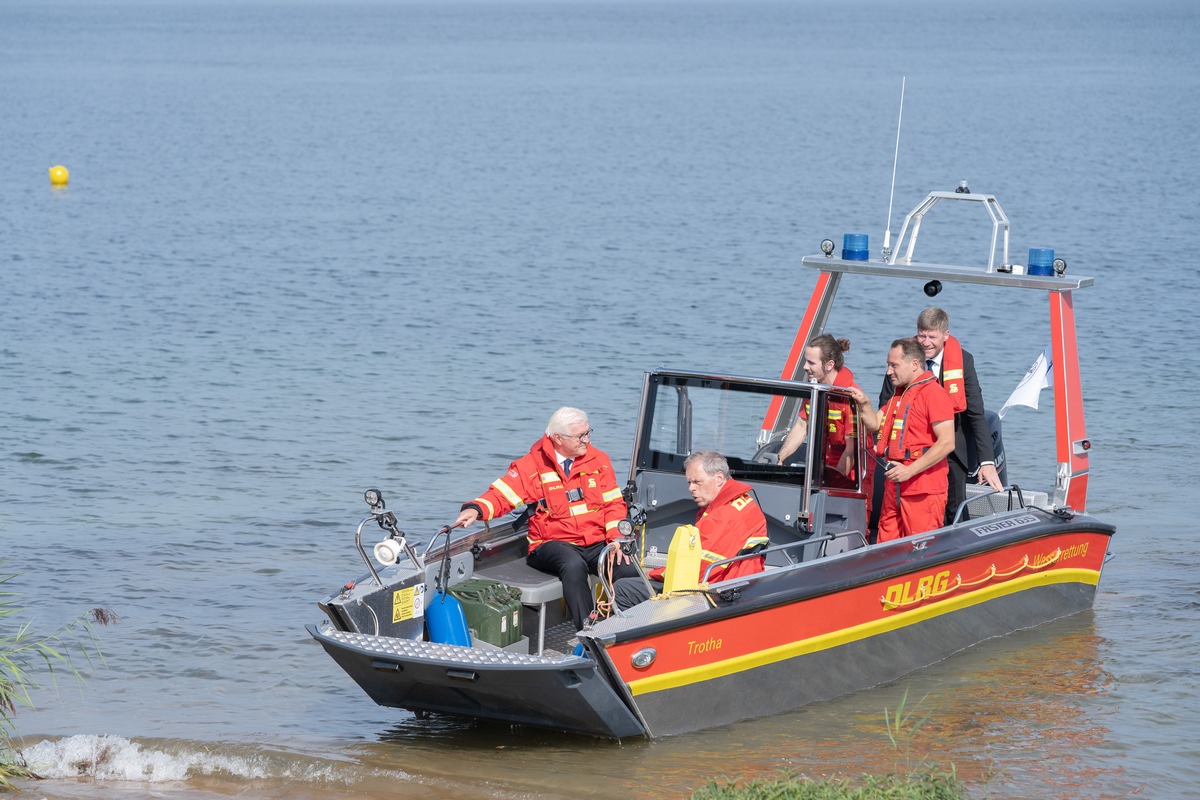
[971, 434]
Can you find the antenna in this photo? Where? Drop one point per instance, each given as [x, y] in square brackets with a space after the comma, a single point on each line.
[887, 234]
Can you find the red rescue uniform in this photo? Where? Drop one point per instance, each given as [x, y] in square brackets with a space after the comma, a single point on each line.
[731, 523]
[841, 422]
[918, 504]
[581, 509]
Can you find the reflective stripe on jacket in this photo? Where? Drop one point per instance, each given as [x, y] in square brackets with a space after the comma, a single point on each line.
[582, 508]
[953, 380]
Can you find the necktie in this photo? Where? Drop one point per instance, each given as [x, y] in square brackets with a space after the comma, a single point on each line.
[567, 466]
[929, 364]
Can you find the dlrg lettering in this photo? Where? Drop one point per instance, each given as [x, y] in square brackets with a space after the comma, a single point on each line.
[899, 594]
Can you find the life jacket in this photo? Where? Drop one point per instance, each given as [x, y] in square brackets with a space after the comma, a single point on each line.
[582, 508]
[952, 374]
[897, 442]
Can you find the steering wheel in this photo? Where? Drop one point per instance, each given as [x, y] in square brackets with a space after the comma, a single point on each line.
[768, 453]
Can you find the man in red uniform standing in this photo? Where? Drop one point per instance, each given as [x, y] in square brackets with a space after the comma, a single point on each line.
[576, 504]
[954, 369]
[916, 433]
[730, 524]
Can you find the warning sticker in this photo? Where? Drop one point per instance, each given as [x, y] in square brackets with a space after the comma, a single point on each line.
[408, 603]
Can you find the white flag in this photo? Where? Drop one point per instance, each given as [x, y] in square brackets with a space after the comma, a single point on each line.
[1037, 378]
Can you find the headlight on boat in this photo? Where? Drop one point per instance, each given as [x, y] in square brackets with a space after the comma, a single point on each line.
[387, 552]
[644, 657]
[625, 528]
[374, 499]
[827, 247]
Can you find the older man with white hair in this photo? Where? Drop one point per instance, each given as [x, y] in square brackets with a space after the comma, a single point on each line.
[576, 504]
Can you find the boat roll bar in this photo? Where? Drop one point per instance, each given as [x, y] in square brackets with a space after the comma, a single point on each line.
[1071, 442]
[999, 222]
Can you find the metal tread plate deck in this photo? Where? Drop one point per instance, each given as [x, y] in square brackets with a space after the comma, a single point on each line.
[436, 653]
[561, 638]
[563, 693]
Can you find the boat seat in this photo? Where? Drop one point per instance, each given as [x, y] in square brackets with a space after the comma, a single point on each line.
[537, 589]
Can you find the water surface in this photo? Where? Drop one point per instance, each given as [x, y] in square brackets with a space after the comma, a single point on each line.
[311, 247]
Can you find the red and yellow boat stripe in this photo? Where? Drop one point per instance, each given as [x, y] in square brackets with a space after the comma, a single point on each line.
[736, 644]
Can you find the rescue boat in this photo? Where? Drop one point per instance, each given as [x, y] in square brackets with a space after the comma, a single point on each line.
[831, 614]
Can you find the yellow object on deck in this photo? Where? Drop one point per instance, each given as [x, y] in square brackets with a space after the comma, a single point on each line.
[683, 560]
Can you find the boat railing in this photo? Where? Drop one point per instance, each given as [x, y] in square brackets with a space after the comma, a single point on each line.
[824, 539]
[388, 551]
[609, 589]
[362, 551]
[1011, 490]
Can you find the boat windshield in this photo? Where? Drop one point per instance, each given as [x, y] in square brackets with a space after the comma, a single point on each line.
[684, 414]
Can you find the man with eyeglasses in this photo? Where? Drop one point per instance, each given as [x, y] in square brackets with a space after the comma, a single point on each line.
[572, 490]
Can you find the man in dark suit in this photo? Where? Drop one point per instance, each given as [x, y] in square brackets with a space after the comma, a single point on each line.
[955, 370]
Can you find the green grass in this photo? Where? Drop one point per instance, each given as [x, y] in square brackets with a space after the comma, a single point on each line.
[901, 729]
[23, 654]
[920, 782]
[914, 786]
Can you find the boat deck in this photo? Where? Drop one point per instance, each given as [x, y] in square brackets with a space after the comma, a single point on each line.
[433, 652]
[561, 640]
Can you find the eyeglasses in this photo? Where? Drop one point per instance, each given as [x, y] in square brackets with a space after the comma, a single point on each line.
[579, 437]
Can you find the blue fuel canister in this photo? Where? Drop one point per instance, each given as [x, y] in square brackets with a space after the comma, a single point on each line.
[446, 620]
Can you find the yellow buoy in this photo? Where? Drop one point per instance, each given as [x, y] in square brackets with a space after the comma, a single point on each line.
[59, 176]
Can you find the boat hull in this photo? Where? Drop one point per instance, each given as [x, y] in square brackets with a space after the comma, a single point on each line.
[831, 643]
[831, 672]
[796, 636]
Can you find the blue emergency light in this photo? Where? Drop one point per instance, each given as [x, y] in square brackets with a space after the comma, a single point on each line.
[854, 247]
[1041, 261]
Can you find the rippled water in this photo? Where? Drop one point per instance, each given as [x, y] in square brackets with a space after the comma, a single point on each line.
[311, 247]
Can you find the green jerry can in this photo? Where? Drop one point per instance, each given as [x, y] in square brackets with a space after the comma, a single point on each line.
[493, 610]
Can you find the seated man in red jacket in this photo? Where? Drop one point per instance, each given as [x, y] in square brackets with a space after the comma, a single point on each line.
[730, 523]
[576, 502]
